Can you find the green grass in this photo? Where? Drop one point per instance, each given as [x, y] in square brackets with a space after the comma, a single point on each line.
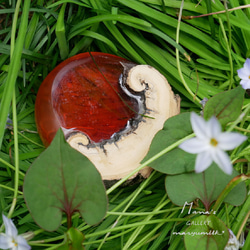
[199, 57]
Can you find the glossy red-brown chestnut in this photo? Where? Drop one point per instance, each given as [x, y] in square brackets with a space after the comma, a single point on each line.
[109, 109]
[83, 94]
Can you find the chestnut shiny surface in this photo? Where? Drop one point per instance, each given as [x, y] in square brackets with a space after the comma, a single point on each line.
[84, 95]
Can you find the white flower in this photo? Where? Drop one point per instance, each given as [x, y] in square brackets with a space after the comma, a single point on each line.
[244, 74]
[233, 243]
[210, 143]
[10, 239]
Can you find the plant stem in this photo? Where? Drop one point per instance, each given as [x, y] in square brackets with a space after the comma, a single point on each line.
[218, 12]
[13, 34]
[15, 65]
[195, 98]
[146, 163]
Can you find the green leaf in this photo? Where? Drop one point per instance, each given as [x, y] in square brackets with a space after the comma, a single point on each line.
[89, 33]
[176, 161]
[205, 186]
[15, 65]
[60, 34]
[226, 106]
[206, 232]
[73, 240]
[63, 180]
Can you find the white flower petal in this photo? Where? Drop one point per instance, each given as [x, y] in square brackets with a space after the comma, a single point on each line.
[210, 143]
[203, 161]
[223, 161]
[199, 126]
[230, 140]
[232, 243]
[10, 228]
[245, 83]
[194, 146]
[243, 73]
[213, 127]
[5, 241]
[22, 243]
[247, 65]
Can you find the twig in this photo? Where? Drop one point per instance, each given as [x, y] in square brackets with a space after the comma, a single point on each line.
[217, 12]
